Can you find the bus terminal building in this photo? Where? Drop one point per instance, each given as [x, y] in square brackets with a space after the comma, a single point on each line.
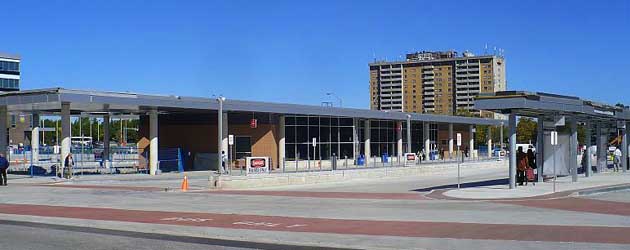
[285, 133]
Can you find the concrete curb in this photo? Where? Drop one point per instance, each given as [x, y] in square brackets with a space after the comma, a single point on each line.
[602, 190]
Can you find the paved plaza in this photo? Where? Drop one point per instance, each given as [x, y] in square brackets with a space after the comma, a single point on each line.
[412, 212]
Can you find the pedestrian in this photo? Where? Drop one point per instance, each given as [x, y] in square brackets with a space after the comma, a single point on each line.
[617, 159]
[69, 166]
[522, 165]
[4, 166]
[223, 160]
[531, 159]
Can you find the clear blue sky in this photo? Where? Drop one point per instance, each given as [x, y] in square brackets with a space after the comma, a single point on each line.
[296, 51]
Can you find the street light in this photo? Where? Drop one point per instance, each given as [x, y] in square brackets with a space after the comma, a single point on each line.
[409, 133]
[220, 99]
[334, 95]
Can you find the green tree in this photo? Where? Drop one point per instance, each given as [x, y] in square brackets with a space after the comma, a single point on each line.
[526, 130]
[466, 113]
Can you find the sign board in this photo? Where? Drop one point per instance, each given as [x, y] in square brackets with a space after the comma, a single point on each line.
[554, 138]
[410, 159]
[257, 165]
[230, 140]
[559, 121]
[314, 141]
[459, 139]
[253, 123]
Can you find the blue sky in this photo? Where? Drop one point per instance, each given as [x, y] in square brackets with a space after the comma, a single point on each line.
[296, 51]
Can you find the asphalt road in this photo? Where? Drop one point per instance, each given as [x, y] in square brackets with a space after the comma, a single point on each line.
[38, 236]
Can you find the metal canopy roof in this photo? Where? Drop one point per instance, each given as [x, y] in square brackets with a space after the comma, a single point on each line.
[84, 101]
[544, 104]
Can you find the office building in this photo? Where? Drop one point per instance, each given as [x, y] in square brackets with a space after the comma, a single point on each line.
[443, 82]
[9, 72]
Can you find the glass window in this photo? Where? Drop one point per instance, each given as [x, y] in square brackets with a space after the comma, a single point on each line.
[289, 120]
[289, 133]
[301, 133]
[324, 133]
[345, 134]
[243, 146]
[301, 120]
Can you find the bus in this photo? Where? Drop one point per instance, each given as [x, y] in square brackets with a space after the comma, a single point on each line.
[81, 140]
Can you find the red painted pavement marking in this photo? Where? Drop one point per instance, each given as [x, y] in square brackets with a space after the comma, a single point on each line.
[336, 226]
[577, 205]
[337, 195]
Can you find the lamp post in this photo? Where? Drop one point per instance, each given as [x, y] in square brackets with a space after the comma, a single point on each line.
[409, 133]
[220, 99]
[334, 95]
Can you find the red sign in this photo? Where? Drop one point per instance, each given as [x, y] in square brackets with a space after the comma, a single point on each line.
[411, 157]
[258, 163]
[253, 123]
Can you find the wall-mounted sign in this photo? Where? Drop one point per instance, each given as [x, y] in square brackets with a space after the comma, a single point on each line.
[410, 159]
[253, 123]
[257, 165]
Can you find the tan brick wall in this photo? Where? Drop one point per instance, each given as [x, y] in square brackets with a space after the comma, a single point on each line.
[412, 90]
[374, 85]
[444, 85]
[202, 138]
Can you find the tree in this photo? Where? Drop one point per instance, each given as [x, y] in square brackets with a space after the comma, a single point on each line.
[526, 130]
[466, 113]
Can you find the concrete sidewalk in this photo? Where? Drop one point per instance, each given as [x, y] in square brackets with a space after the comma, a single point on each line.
[563, 184]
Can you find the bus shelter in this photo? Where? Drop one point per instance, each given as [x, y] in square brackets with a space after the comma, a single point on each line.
[561, 114]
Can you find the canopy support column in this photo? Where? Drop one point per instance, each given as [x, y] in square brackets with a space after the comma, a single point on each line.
[512, 134]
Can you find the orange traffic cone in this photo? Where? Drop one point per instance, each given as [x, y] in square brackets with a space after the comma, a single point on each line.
[185, 184]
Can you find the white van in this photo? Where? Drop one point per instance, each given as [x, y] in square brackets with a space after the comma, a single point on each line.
[526, 147]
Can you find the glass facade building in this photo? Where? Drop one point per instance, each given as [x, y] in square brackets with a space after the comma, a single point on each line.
[333, 136]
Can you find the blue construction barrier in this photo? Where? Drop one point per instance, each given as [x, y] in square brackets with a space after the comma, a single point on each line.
[171, 160]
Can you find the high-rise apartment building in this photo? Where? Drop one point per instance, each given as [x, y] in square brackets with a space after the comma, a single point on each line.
[9, 72]
[435, 82]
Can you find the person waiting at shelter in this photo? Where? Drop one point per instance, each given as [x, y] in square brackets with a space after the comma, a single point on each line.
[522, 165]
[69, 166]
[4, 166]
[531, 159]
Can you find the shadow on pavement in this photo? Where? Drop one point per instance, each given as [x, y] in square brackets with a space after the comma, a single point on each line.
[503, 181]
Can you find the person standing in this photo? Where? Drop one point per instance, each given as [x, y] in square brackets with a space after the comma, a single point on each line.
[223, 161]
[69, 163]
[531, 160]
[4, 166]
[522, 165]
[617, 159]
